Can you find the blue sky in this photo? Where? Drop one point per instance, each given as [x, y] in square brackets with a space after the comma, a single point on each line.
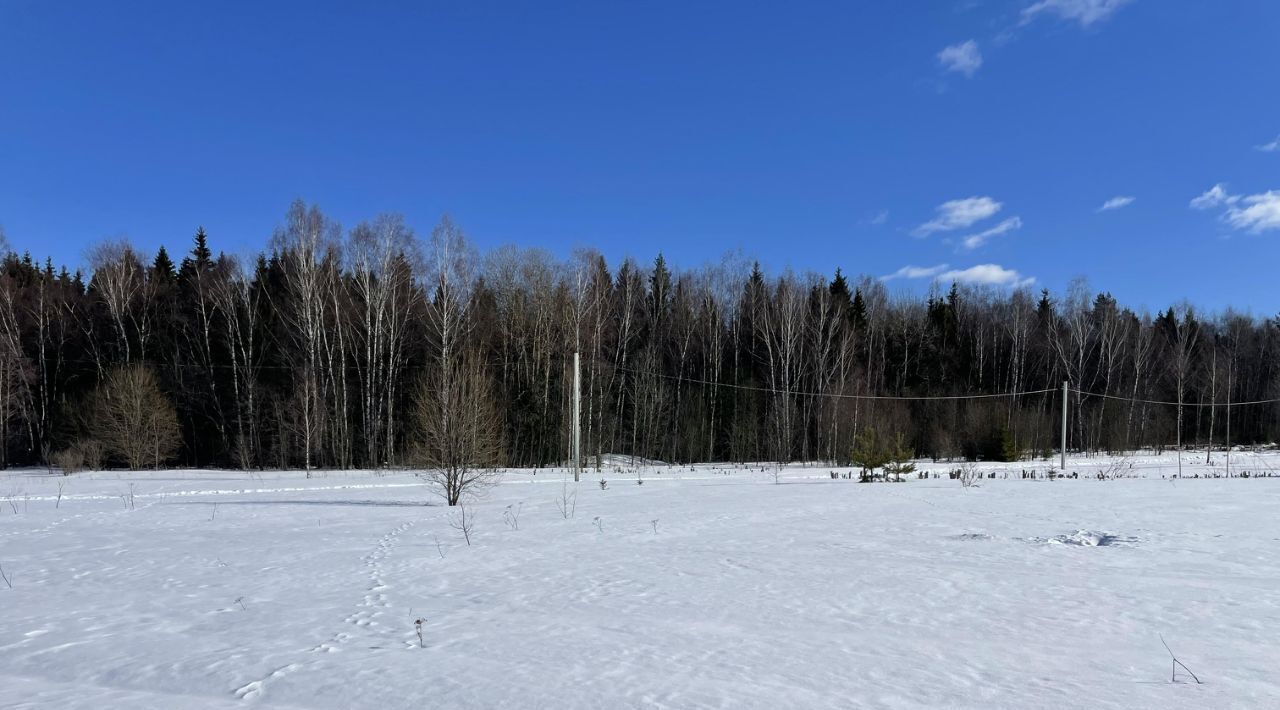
[970, 139]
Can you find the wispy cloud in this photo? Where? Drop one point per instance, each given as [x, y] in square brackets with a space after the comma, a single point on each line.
[915, 272]
[1272, 147]
[973, 241]
[959, 214]
[1085, 12]
[1214, 197]
[880, 217]
[963, 58]
[982, 274]
[988, 275]
[1251, 213]
[1116, 203]
[1261, 213]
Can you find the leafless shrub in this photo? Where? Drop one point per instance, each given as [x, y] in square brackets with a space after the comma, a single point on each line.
[85, 454]
[1117, 468]
[567, 502]
[92, 451]
[969, 474]
[133, 418]
[8, 580]
[463, 522]
[599, 523]
[511, 516]
[69, 460]
[417, 625]
[439, 548]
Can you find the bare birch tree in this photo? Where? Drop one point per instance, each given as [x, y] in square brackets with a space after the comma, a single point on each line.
[383, 254]
[240, 301]
[304, 245]
[1183, 337]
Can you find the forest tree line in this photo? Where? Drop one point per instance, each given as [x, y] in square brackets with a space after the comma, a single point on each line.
[326, 349]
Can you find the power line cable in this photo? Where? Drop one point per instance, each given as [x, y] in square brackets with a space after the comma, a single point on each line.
[1137, 400]
[837, 395]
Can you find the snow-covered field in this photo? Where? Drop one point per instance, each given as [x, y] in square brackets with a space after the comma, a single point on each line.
[704, 587]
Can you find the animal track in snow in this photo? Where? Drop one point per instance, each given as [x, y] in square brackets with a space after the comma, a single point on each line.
[364, 617]
[374, 601]
[255, 688]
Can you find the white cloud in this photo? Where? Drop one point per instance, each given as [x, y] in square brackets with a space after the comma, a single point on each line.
[915, 272]
[1086, 12]
[1272, 147]
[1260, 212]
[964, 58]
[881, 217]
[958, 214]
[1116, 203]
[973, 241]
[1214, 197]
[987, 274]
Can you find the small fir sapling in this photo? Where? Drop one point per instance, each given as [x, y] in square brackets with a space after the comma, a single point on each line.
[868, 453]
[900, 459]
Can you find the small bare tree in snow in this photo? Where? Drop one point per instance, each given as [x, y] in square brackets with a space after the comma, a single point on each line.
[567, 502]
[459, 431]
[969, 474]
[133, 418]
[1119, 467]
[511, 515]
[464, 522]
[459, 427]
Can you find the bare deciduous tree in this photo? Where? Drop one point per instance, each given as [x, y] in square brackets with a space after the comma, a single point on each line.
[1183, 337]
[240, 303]
[134, 419]
[383, 256]
[458, 437]
[306, 247]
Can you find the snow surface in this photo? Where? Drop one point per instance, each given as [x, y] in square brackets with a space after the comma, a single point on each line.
[221, 589]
